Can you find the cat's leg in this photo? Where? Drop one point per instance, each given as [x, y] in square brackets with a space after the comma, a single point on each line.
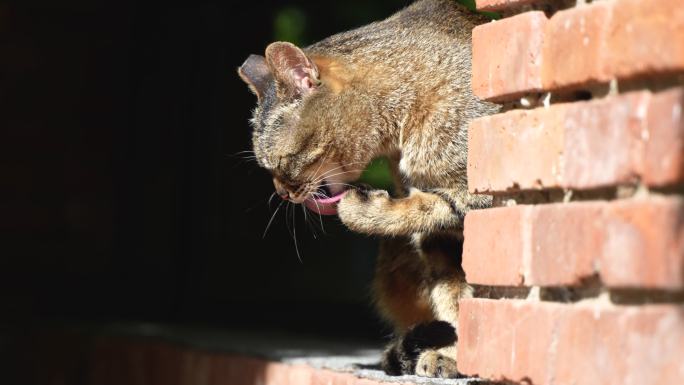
[402, 298]
[446, 282]
[376, 213]
[422, 273]
[400, 292]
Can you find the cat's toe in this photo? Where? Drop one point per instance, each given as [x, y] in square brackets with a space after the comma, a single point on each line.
[433, 364]
[361, 198]
[363, 210]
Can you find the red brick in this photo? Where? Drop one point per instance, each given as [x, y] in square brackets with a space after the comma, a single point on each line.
[574, 46]
[500, 5]
[646, 39]
[580, 145]
[643, 244]
[229, 369]
[577, 47]
[497, 158]
[498, 262]
[277, 373]
[120, 361]
[505, 340]
[584, 343]
[563, 241]
[603, 142]
[66, 358]
[195, 368]
[628, 243]
[665, 144]
[507, 56]
[627, 345]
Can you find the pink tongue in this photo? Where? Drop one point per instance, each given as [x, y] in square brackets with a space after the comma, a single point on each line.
[327, 206]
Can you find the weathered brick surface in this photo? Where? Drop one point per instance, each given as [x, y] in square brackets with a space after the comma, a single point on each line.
[581, 46]
[507, 56]
[664, 159]
[515, 149]
[583, 343]
[562, 243]
[493, 252]
[635, 243]
[498, 342]
[580, 145]
[574, 46]
[604, 141]
[645, 38]
[628, 243]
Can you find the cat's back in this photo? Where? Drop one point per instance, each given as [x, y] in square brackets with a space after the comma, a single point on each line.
[423, 47]
[426, 26]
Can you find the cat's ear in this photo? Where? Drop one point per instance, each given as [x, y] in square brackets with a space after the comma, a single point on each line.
[255, 72]
[295, 73]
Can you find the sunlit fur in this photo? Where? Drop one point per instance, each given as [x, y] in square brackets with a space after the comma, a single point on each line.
[398, 88]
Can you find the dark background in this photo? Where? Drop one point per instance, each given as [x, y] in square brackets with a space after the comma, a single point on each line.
[124, 193]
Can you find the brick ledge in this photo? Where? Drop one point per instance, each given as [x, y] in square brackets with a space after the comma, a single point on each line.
[157, 354]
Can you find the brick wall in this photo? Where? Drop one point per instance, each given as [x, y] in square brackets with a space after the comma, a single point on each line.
[579, 269]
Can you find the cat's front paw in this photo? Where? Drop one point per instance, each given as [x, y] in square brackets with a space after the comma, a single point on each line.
[433, 364]
[359, 208]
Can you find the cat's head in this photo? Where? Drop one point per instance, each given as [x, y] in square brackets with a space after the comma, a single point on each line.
[295, 135]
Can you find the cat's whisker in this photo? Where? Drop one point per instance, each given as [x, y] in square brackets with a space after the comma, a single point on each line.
[313, 222]
[268, 226]
[325, 174]
[270, 199]
[322, 162]
[294, 234]
[309, 223]
[319, 195]
[287, 217]
[320, 217]
[337, 184]
[336, 174]
[327, 171]
[335, 168]
[247, 155]
[239, 155]
[350, 164]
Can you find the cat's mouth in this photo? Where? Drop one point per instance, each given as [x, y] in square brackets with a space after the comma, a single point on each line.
[324, 202]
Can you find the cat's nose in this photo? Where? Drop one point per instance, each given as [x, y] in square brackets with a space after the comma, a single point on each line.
[293, 192]
[281, 189]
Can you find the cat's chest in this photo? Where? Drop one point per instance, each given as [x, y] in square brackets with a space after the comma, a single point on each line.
[419, 171]
[431, 169]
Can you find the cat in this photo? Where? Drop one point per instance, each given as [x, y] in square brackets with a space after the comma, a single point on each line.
[398, 88]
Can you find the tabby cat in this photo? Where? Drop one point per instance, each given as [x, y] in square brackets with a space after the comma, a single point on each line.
[398, 88]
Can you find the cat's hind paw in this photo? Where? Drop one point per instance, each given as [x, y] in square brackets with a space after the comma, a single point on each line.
[435, 365]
